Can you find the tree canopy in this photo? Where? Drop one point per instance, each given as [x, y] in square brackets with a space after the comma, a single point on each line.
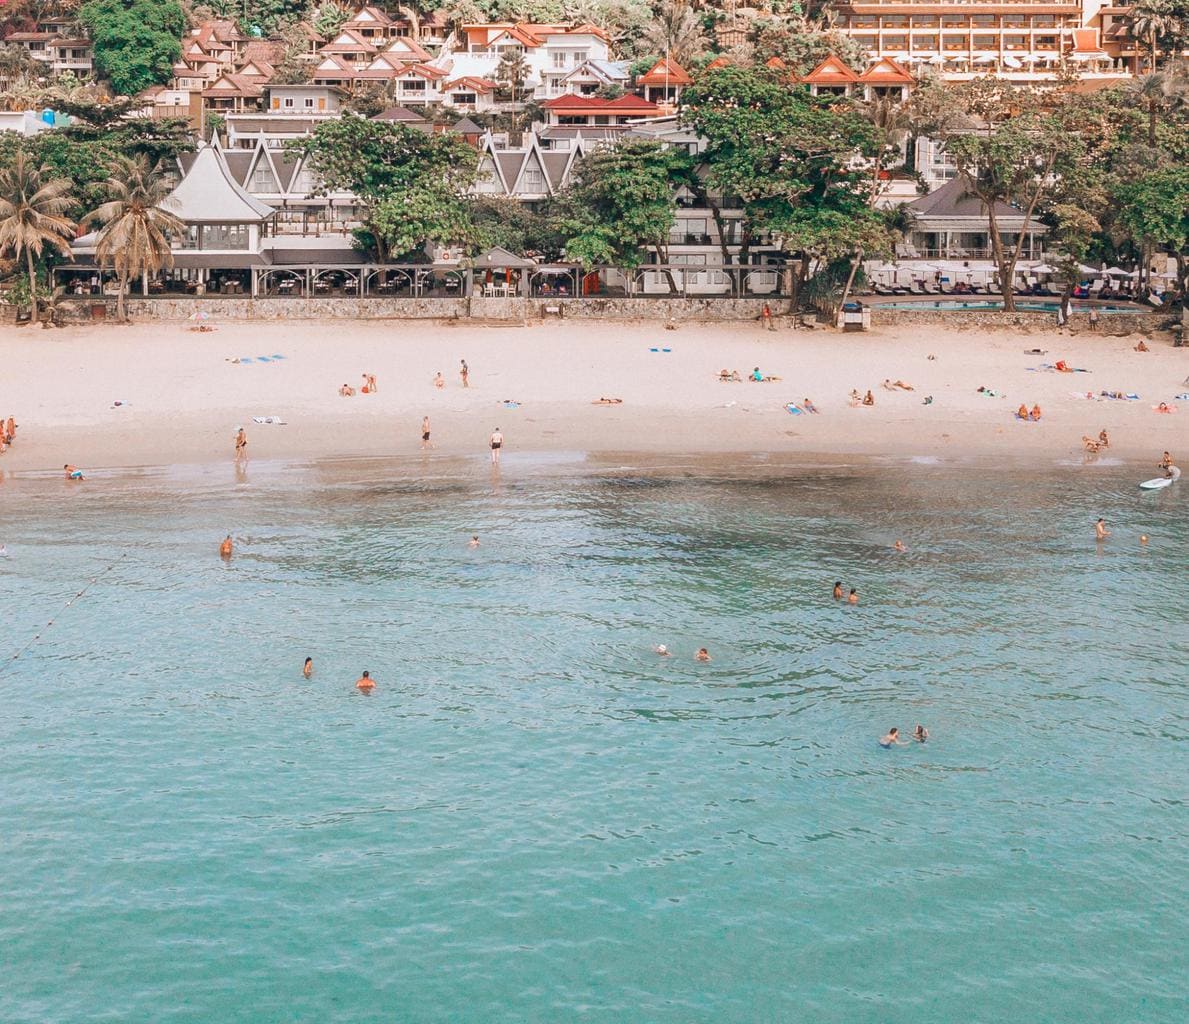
[136, 42]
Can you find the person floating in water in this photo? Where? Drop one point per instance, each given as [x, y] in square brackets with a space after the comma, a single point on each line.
[662, 650]
[473, 542]
[899, 546]
[702, 655]
[1100, 530]
[852, 597]
[225, 547]
[920, 734]
[838, 590]
[307, 669]
[892, 739]
[365, 683]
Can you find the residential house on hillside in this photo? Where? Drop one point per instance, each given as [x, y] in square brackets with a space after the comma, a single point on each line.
[595, 111]
[663, 83]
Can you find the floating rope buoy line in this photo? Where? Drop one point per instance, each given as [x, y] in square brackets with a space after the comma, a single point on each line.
[94, 579]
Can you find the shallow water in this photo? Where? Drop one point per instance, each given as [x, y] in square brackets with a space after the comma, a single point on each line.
[535, 818]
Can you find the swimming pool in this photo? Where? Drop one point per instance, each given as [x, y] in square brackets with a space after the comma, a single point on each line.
[991, 305]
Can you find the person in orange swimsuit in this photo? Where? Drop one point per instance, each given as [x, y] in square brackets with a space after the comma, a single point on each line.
[225, 547]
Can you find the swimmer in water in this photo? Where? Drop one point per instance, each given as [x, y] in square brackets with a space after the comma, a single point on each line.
[838, 590]
[702, 655]
[920, 734]
[473, 542]
[1100, 530]
[662, 650]
[1143, 538]
[225, 547]
[365, 683]
[307, 669]
[899, 546]
[892, 739]
[852, 597]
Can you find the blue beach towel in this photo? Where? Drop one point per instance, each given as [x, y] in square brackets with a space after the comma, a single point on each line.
[278, 357]
[794, 410]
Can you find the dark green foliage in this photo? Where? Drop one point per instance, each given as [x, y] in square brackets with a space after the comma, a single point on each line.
[136, 41]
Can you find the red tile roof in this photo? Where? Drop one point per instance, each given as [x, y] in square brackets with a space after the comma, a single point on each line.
[831, 71]
[665, 72]
[597, 105]
[886, 71]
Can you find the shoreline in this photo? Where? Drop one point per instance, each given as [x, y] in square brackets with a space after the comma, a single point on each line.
[186, 397]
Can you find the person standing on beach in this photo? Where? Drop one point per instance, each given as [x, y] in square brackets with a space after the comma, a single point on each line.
[365, 683]
[1100, 530]
[465, 373]
[241, 444]
[425, 443]
[225, 547]
[307, 669]
[497, 442]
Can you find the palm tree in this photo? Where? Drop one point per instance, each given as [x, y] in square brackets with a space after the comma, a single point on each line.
[136, 229]
[1157, 92]
[1151, 19]
[512, 71]
[32, 205]
[676, 32]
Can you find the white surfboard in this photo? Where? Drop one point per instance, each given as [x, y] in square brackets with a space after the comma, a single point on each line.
[1155, 485]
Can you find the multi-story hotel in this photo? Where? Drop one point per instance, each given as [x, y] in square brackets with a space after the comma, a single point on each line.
[1022, 40]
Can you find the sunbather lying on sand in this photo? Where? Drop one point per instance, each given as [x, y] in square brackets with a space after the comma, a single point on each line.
[1090, 444]
[808, 406]
[902, 386]
[729, 376]
[607, 401]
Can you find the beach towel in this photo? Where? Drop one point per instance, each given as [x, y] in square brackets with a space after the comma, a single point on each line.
[794, 410]
[660, 350]
[1182, 398]
[274, 420]
[510, 405]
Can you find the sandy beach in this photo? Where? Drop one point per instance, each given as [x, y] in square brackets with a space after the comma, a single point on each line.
[183, 395]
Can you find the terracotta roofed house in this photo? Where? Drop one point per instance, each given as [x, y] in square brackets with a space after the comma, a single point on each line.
[664, 81]
[592, 110]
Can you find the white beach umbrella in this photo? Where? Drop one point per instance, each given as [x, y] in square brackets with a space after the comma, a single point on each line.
[938, 58]
[1118, 272]
[1087, 271]
[985, 58]
[1012, 62]
[1044, 268]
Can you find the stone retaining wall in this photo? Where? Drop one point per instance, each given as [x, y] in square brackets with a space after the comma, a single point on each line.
[513, 310]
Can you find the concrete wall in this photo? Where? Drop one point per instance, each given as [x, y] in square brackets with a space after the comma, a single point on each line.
[990, 320]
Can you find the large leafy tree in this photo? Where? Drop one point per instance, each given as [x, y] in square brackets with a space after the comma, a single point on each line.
[137, 42]
[620, 202]
[135, 235]
[1155, 208]
[414, 184]
[33, 205]
[787, 157]
[1029, 161]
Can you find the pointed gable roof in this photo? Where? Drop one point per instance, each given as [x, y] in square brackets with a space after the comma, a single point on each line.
[403, 48]
[348, 41]
[368, 17]
[472, 82]
[719, 62]
[665, 71]
[956, 207]
[498, 258]
[208, 194]
[886, 71]
[628, 104]
[831, 71]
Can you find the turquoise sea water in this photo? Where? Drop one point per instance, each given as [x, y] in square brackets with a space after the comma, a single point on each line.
[535, 818]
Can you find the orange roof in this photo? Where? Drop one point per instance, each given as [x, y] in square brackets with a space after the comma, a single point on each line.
[775, 62]
[596, 105]
[886, 71]
[719, 62]
[665, 72]
[831, 71]
[469, 82]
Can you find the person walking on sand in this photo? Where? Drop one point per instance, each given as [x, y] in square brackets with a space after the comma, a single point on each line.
[226, 547]
[1100, 530]
[766, 318]
[425, 442]
[464, 372]
[497, 442]
[365, 683]
[307, 669]
[241, 444]
[438, 381]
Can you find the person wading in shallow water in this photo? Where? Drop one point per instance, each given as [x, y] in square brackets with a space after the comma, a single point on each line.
[225, 547]
[365, 683]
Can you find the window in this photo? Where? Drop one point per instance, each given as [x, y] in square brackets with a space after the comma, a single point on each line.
[414, 86]
[559, 59]
[309, 103]
[288, 101]
[225, 236]
[534, 178]
[262, 180]
[465, 98]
